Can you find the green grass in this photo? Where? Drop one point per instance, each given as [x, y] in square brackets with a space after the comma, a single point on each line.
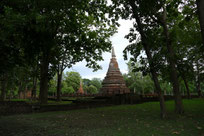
[19, 100]
[125, 120]
[49, 102]
[58, 103]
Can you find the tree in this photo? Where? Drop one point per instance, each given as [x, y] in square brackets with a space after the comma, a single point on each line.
[35, 77]
[171, 57]
[69, 89]
[90, 42]
[200, 5]
[4, 80]
[199, 76]
[187, 43]
[131, 10]
[52, 87]
[156, 18]
[85, 88]
[97, 83]
[64, 61]
[170, 27]
[167, 87]
[48, 28]
[73, 80]
[86, 82]
[137, 82]
[11, 55]
[92, 89]
[65, 89]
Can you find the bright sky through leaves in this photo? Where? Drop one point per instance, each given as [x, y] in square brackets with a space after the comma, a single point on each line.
[119, 43]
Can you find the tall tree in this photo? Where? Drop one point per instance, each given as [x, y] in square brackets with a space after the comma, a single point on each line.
[172, 62]
[97, 83]
[73, 80]
[149, 56]
[64, 61]
[10, 41]
[156, 16]
[188, 42]
[137, 82]
[132, 7]
[82, 27]
[200, 7]
[4, 80]
[92, 89]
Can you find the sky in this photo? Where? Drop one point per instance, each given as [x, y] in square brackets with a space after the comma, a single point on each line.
[119, 43]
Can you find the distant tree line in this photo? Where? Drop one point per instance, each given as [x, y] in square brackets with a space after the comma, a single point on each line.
[71, 83]
[141, 84]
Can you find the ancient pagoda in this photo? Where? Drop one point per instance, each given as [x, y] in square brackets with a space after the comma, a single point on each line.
[81, 90]
[114, 83]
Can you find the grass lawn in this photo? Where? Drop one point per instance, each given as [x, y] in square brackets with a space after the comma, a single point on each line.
[125, 120]
[49, 102]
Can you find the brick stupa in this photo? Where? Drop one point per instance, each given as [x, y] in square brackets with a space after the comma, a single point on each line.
[114, 82]
[81, 90]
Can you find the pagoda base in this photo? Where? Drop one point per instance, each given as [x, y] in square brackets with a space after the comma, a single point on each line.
[114, 90]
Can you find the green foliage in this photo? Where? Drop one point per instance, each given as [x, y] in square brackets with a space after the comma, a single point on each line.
[70, 83]
[184, 37]
[55, 33]
[137, 82]
[68, 90]
[52, 86]
[89, 86]
[85, 88]
[10, 38]
[73, 79]
[92, 89]
[86, 82]
[97, 83]
[81, 30]
[166, 88]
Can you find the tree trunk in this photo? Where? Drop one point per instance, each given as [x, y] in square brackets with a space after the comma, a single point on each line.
[160, 93]
[198, 88]
[200, 7]
[149, 56]
[24, 93]
[34, 89]
[198, 79]
[35, 80]
[173, 70]
[3, 87]
[44, 78]
[187, 88]
[20, 90]
[59, 84]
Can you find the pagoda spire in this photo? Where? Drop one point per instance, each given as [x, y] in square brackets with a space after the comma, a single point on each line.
[114, 83]
[113, 53]
[80, 91]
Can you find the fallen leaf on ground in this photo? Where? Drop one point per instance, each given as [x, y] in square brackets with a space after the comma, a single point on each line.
[175, 132]
[199, 127]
